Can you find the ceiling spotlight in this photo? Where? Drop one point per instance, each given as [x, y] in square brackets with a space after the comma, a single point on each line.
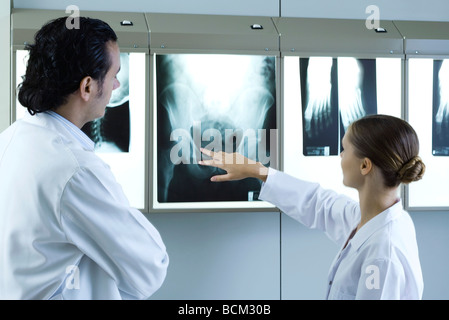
[126, 23]
[256, 26]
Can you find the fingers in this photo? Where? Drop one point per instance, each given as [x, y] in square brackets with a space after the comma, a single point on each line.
[222, 159]
[236, 165]
[207, 152]
[221, 178]
[216, 160]
[211, 163]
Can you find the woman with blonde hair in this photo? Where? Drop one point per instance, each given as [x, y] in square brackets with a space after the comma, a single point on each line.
[379, 257]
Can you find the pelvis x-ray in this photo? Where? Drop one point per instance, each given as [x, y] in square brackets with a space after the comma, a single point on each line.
[440, 128]
[335, 92]
[111, 133]
[219, 102]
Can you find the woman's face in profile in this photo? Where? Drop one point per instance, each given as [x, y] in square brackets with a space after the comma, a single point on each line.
[350, 164]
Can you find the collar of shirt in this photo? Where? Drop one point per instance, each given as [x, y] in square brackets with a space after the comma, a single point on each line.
[74, 131]
[375, 223]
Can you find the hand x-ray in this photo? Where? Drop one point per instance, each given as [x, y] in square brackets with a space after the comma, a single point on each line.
[219, 102]
[335, 92]
[440, 125]
[111, 133]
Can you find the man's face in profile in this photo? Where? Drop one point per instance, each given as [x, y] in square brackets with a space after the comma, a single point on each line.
[110, 82]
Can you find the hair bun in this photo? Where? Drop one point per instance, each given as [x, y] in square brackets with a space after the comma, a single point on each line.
[413, 170]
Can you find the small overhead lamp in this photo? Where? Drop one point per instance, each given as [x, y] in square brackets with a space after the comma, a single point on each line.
[126, 23]
[380, 30]
[256, 26]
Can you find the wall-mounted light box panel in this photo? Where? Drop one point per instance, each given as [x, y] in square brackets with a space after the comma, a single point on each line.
[214, 84]
[188, 73]
[120, 136]
[334, 72]
[337, 37]
[184, 33]
[427, 94]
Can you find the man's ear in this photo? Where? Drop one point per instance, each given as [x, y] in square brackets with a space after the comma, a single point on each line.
[86, 88]
[366, 166]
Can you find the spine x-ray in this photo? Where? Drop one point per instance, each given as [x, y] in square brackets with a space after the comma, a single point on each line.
[111, 133]
[335, 92]
[440, 123]
[218, 102]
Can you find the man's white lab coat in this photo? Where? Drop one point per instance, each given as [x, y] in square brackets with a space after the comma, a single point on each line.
[380, 262]
[66, 228]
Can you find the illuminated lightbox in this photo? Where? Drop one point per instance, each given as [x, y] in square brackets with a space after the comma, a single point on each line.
[322, 96]
[120, 135]
[440, 107]
[428, 111]
[335, 92]
[218, 102]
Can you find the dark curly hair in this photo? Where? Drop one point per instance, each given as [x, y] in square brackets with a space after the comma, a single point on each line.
[60, 58]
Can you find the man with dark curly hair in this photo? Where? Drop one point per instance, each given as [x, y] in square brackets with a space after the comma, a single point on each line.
[67, 229]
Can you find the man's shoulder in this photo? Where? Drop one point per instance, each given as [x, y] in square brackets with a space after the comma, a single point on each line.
[34, 139]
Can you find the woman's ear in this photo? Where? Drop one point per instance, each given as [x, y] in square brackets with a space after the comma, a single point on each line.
[86, 88]
[366, 166]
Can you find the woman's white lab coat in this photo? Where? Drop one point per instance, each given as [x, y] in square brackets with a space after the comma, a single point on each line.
[381, 260]
[67, 230]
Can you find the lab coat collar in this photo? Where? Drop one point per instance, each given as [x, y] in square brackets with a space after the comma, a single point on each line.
[375, 224]
[62, 127]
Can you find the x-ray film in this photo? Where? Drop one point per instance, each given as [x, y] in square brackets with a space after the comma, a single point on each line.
[380, 91]
[428, 114]
[119, 136]
[319, 86]
[335, 92]
[218, 102]
[440, 117]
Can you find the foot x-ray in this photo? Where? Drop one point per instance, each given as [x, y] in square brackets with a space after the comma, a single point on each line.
[219, 102]
[440, 123]
[111, 133]
[320, 105]
[335, 92]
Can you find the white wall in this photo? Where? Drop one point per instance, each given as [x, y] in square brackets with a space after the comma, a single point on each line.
[228, 7]
[432, 10]
[225, 256]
